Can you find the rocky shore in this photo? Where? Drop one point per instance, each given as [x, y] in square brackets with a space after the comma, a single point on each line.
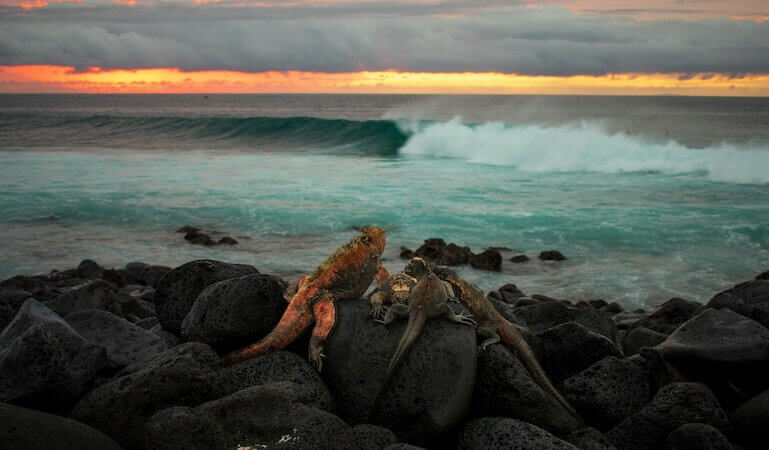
[130, 358]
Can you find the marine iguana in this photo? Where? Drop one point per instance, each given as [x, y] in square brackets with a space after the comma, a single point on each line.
[427, 300]
[493, 328]
[395, 289]
[345, 275]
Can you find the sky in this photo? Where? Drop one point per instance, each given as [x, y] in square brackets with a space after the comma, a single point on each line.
[628, 47]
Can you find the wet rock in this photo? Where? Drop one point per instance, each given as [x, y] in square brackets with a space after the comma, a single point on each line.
[697, 436]
[6, 316]
[199, 238]
[751, 421]
[147, 323]
[281, 366]
[187, 229]
[670, 315]
[406, 253]
[121, 407]
[22, 428]
[267, 416]
[570, 348]
[124, 342]
[640, 337]
[751, 299]
[13, 294]
[489, 260]
[763, 276]
[89, 269]
[430, 392]
[519, 259]
[590, 439]
[551, 255]
[436, 251]
[44, 363]
[613, 308]
[503, 387]
[548, 314]
[722, 349]
[608, 391]
[510, 293]
[150, 275]
[674, 405]
[235, 312]
[140, 292]
[177, 290]
[598, 303]
[95, 295]
[492, 433]
[113, 277]
[626, 319]
[171, 339]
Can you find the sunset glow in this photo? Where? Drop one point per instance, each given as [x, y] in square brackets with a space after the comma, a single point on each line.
[42, 78]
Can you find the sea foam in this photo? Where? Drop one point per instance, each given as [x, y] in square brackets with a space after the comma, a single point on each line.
[584, 147]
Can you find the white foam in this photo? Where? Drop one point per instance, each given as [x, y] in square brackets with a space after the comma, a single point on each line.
[581, 148]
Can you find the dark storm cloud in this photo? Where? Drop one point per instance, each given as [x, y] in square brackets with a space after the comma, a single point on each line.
[451, 37]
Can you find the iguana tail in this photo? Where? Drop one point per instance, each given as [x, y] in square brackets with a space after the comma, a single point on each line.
[295, 320]
[414, 328]
[513, 340]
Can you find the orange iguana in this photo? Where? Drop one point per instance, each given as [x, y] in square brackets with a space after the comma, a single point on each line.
[345, 275]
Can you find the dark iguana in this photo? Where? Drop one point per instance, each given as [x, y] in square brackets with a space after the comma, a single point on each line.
[395, 289]
[345, 275]
[493, 328]
[427, 300]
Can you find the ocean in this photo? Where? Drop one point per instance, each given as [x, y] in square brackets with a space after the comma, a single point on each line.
[648, 197]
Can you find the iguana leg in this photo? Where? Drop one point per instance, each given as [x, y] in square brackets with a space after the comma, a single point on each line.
[289, 293]
[325, 317]
[394, 312]
[489, 335]
[445, 310]
[377, 305]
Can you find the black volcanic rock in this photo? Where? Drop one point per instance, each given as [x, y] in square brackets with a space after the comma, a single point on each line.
[177, 290]
[569, 348]
[751, 421]
[547, 314]
[751, 299]
[502, 433]
[519, 259]
[640, 337]
[97, 294]
[44, 362]
[697, 436]
[436, 251]
[670, 315]
[763, 276]
[429, 394]
[551, 255]
[89, 269]
[235, 312]
[489, 260]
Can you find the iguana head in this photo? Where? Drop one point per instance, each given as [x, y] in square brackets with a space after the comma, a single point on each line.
[376, 235]
[418, 267]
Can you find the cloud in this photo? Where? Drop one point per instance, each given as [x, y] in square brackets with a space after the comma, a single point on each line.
[456, 36]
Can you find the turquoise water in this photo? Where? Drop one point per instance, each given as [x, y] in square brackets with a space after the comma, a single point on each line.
[641, 217]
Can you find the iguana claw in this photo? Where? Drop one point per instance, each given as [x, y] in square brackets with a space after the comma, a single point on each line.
[377, 312]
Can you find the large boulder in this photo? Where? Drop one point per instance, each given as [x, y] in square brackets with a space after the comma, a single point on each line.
[721, 348]
[639, 338]
[235, 312]
[89, 269]
[670, 315]
[751, 299]
[177, 290]
[124, 342]
[751, 421]
[503, 387]
[489, 259]
[267, 416]
[95, 295]
[674, 405]
[568, 349]
[590, 439]
[436, 251]
[697, 436]
[501, 433]
[22, 428]
[551, 255]
[548, 314]
[430, 392]
[281, 366]
[149, 274]
[608, 391]
[121, 407]
[44, 363]
[6, 316]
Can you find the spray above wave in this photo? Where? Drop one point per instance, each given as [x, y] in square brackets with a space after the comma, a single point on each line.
[263, 133]
[580, 148]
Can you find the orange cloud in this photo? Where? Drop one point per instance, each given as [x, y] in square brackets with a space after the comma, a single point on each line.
[40, 78]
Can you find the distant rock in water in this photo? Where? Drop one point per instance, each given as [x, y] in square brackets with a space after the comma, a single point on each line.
[197, 236]
[551, 255]
[406, 253]
[490, 260]
[763, 276]
[519, 258]
[436, 251]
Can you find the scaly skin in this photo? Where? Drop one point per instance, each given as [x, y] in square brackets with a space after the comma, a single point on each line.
[427, 300]
[493, 328]
[395, 289]
[345, 275]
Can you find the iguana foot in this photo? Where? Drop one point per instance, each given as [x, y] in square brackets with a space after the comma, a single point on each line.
[377, 312]
[316, 357]
[394, 312]
[445, 310]
[489, 336]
